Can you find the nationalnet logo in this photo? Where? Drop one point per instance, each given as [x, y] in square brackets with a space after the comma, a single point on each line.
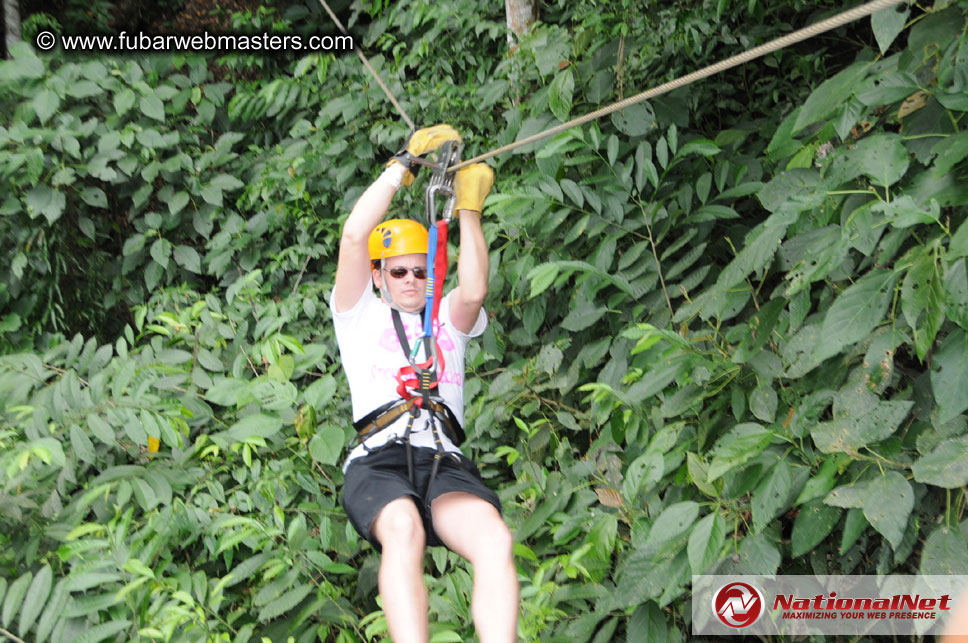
[738, 604]
[898, 606]
[829, 605]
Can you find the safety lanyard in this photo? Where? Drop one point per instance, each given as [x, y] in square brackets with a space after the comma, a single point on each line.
[441, 183]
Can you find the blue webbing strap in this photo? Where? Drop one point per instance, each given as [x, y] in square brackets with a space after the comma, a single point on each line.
[428, 330]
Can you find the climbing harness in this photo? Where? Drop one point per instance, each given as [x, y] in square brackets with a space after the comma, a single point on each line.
[800, 35]
[383, 416]
[418, 382]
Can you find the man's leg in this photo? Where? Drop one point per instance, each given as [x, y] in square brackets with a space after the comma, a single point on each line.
[473, 528]
[400, 531]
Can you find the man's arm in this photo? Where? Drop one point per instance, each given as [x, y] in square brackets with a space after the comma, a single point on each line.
[471, 184]
[353, 269]
[472, 271]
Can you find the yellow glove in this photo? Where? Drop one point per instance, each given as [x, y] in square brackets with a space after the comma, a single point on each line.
[472, 185]
[422, 142]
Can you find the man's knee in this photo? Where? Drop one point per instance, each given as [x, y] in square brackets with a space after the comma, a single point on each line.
[501, 541]
[399, 523]
[494, 543]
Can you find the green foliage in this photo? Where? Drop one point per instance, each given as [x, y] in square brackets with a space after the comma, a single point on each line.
[728, 327]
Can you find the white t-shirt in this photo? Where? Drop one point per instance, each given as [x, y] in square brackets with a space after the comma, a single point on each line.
[372, 356]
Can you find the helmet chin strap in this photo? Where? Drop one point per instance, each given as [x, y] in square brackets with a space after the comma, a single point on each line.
[387, 297]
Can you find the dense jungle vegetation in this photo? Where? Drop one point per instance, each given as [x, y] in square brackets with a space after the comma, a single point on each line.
[728, 328]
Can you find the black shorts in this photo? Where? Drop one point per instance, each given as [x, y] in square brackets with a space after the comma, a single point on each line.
[378, 478]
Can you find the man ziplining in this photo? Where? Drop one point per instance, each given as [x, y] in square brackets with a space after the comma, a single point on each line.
[406, 483]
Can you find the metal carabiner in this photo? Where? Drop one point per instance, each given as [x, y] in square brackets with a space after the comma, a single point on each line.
[442, 181]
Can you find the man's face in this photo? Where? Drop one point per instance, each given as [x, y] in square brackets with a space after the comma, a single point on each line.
[407, 291]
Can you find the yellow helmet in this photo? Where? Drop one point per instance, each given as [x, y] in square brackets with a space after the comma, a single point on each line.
[397, 237]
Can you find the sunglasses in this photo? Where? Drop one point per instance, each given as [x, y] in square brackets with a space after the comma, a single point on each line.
[399, 272]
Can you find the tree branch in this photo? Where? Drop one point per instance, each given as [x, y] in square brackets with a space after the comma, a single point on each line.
[10, 636]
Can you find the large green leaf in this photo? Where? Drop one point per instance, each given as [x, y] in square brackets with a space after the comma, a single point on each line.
[887, 87]
[544, 275]
[888, 23]
[82, 445]
[560, 94]
[855, 313]
[950, 151]
[647, 624]
[285, 602]
[36, 598]
[178, 202]
[102, 631]
[904, 212]
[956, 292]
[659, 377]
[949, 375]
[123, 101]
[45, 103]
[152, 107]
[761, 244]
[946, 466]
[772, 495]
[849, 495]
[52, 611]
[741, 444]
[813, 523]
[582, 316]
[706, 541]
[854, 525]
[255, 425]
[101, 429]
[822, 482]
[799, 351]
[14, 598]
[882, 158]
[226, 182]
[187, 257]
[42, 199]
[850, 432]
[887, 505]
[160, 251]
[758, 554]
[763, 401]
[634, 120]
[674, 521]
[945, 553]
[326, 446]
[830, 95]
[959, 242]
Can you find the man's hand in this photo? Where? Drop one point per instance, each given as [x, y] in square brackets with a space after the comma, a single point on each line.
[472, 185]
[421, 143]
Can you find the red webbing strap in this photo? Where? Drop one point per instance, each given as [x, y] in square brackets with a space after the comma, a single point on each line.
[407, 377]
